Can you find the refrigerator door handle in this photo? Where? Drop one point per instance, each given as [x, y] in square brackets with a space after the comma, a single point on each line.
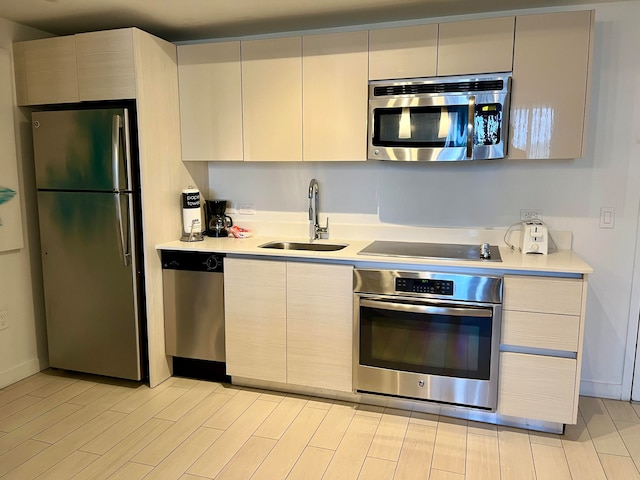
[120, 143]
[115, 151]
[123, 245]
[127, 150]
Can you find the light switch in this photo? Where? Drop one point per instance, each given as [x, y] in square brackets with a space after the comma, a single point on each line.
[607, 217]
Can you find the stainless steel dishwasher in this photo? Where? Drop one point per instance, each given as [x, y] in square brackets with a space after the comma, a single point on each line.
[193, 286]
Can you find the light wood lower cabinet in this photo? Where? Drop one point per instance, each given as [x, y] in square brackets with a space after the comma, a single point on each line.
[255, 300]
[319, 326]
[537, 387]
[541, 343]
[289, 322]
[541, 330]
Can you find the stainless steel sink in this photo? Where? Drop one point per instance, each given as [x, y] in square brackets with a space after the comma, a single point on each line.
[315, 247]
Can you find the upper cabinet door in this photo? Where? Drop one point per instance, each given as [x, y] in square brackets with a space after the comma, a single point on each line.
[335, 96]
[551, 81]
[210, 83]
[403, 52]
[476, 46]
[106, 68]
[47, 68]
[272, 99]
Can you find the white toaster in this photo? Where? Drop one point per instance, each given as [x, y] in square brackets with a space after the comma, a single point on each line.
[535, 237]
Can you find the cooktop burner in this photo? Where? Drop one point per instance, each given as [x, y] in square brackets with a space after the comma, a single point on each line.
[442, 251]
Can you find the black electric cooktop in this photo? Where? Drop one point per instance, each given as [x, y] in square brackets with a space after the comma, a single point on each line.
[442, 251]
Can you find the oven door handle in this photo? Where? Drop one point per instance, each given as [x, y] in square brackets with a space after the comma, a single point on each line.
[428, 309]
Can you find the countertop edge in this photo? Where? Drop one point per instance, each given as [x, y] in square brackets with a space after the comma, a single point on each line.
[562, 261]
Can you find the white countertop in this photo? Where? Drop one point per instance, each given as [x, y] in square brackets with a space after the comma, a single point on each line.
[562, 261]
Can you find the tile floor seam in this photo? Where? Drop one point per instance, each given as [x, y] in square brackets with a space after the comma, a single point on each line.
[308, 440]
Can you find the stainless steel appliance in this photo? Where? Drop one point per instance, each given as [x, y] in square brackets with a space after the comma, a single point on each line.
[429, 336]
[439, 119]
[218, 221]
[90, 231]
[193, 288]
[443, 251]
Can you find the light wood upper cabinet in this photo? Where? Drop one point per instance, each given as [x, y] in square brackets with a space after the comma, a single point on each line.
[272, 99]
[255, 302]
[475, 46]
[335, 96]
[210, 83]
[46, 71]
[105, 61]
[319, 327]
[551, 81]
[76, 68]
[403, 52]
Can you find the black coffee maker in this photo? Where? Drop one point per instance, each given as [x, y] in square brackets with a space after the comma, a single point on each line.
[217, 221]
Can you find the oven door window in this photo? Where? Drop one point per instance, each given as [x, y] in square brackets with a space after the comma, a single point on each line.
[428, 126]
[438, 344]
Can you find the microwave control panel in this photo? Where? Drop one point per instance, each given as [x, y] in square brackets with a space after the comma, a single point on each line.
[424, 285]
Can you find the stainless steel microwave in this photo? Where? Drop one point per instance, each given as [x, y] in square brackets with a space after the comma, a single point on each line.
[439, 119]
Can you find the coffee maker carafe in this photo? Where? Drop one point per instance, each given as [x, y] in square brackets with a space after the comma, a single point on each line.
[217, 221]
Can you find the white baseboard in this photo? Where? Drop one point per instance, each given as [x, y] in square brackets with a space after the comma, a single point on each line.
[601, 390]
[19, 372]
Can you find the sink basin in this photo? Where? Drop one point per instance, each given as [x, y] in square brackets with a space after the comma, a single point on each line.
[315, 247]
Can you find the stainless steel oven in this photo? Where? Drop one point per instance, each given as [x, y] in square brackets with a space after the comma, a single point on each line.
[429, 336]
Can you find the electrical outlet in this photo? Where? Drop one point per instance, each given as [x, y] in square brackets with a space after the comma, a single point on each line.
[4, 319]
[247, 209]
[530, 214]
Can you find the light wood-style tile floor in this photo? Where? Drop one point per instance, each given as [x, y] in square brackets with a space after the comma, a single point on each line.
[54, 425]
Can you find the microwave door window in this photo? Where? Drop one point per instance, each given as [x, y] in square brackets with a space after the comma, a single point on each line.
[421, 127]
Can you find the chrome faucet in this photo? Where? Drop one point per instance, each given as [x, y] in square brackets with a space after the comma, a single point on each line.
[315, 230]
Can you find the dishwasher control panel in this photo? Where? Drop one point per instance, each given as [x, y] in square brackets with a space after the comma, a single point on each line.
[193, 261]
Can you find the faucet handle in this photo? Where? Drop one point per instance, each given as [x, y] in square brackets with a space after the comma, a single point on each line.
[323, 230]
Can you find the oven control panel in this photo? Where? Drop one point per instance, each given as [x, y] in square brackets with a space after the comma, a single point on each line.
[424, 285]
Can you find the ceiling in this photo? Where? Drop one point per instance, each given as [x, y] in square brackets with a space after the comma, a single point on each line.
[180, 20]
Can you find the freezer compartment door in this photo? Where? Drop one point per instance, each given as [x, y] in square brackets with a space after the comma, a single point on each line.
[90, 290]
[82, 150]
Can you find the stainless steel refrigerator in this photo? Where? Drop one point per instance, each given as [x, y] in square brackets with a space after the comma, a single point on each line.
[89, 214]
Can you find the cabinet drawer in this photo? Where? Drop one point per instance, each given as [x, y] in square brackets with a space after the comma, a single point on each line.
[537, 387]
[543, 295]
[541, 330]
